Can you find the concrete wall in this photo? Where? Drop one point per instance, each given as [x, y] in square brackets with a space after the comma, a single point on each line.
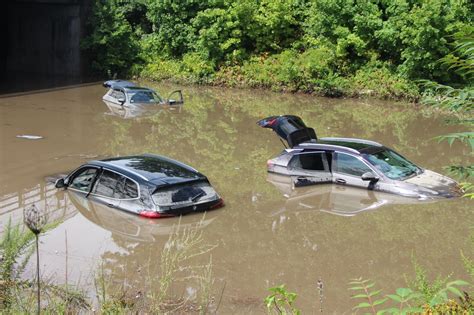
[42, 41]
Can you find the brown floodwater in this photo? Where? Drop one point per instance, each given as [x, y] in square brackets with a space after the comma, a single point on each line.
[268, 233]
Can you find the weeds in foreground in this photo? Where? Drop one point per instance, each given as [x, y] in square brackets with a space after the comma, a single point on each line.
[183, 244]
[15, 251]
[18, 295]
[36, 220]
[281, 301]
[406, 300]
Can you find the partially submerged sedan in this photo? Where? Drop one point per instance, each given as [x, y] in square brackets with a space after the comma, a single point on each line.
[128, 94]
[349, 161]
[150, 185]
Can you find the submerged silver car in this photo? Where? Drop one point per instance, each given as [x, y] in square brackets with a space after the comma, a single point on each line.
[348, 161]
[122, 93]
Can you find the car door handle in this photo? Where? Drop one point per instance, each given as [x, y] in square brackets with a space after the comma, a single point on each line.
[340, 181]
[111, 205]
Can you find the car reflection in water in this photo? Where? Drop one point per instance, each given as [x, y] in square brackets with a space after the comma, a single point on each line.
[335, 199]
[138, 110]
[129, 226]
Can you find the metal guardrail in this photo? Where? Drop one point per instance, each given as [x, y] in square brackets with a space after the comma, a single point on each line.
[44, 195]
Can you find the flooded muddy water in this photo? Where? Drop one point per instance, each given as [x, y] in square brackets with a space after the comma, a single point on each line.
[268, 233]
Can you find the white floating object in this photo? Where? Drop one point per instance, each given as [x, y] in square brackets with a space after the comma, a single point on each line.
[30, 137]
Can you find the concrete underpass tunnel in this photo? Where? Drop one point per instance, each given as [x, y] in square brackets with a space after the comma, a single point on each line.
[41, 44]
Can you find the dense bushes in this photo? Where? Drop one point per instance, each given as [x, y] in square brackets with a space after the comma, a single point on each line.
[331, 47]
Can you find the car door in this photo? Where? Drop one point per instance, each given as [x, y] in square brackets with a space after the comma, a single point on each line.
[82, 180]
[175, 97]
[309, 168]
[117, 97]
[347, 169]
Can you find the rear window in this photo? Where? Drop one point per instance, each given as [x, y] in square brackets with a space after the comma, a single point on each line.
[183, 195]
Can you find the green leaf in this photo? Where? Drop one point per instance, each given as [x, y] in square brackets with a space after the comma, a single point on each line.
[455, 291]
[395, 297]
[457, 282]
[381, 301]
[362, 305]
[374, 293]
[269, 301]
[370, 285]
[391, 310]
[404, 292]
[357, 288]
[358, 296]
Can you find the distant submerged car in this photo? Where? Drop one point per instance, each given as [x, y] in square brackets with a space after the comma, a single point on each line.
[349, 161]
[149, 185]
[128, 94]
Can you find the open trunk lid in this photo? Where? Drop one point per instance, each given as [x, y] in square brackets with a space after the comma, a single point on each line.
[117, 84]
[290, 128]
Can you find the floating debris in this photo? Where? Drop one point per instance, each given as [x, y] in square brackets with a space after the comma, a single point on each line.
[29, 137]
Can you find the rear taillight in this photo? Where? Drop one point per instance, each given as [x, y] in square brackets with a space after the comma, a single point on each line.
[154, 214]
[219, 204]
[270, 165]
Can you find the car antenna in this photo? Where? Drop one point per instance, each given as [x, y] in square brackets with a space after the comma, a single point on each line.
[283, 142]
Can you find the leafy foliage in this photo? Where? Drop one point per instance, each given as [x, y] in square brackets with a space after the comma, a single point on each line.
[404, 38]
[281, 301]
[406, 300]
[369, 296]
[465, 137]
[457, 99]
[113, 42]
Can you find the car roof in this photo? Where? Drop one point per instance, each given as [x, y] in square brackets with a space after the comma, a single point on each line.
[136, 88]
[152, 168]
[351, 145]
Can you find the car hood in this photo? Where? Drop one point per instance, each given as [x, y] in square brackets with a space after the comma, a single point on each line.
[435, 184]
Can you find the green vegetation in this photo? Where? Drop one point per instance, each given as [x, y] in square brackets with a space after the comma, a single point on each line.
[458, 99]
[329, 47]
[408, 301]
[18, 295]
[281, 301]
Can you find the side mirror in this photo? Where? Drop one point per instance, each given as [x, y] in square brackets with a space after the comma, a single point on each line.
[121, 100]
[369, 176]
[60, 183]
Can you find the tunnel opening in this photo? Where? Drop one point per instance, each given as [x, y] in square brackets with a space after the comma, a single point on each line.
[41, 44]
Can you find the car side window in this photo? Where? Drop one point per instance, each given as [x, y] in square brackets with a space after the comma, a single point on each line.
[83, 179]
[309, 161]
[107, 184]
[113, 185]
[350, 165]
[130, 189]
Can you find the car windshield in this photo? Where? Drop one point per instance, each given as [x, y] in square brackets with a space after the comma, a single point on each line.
[144, 97]
[391, 164]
